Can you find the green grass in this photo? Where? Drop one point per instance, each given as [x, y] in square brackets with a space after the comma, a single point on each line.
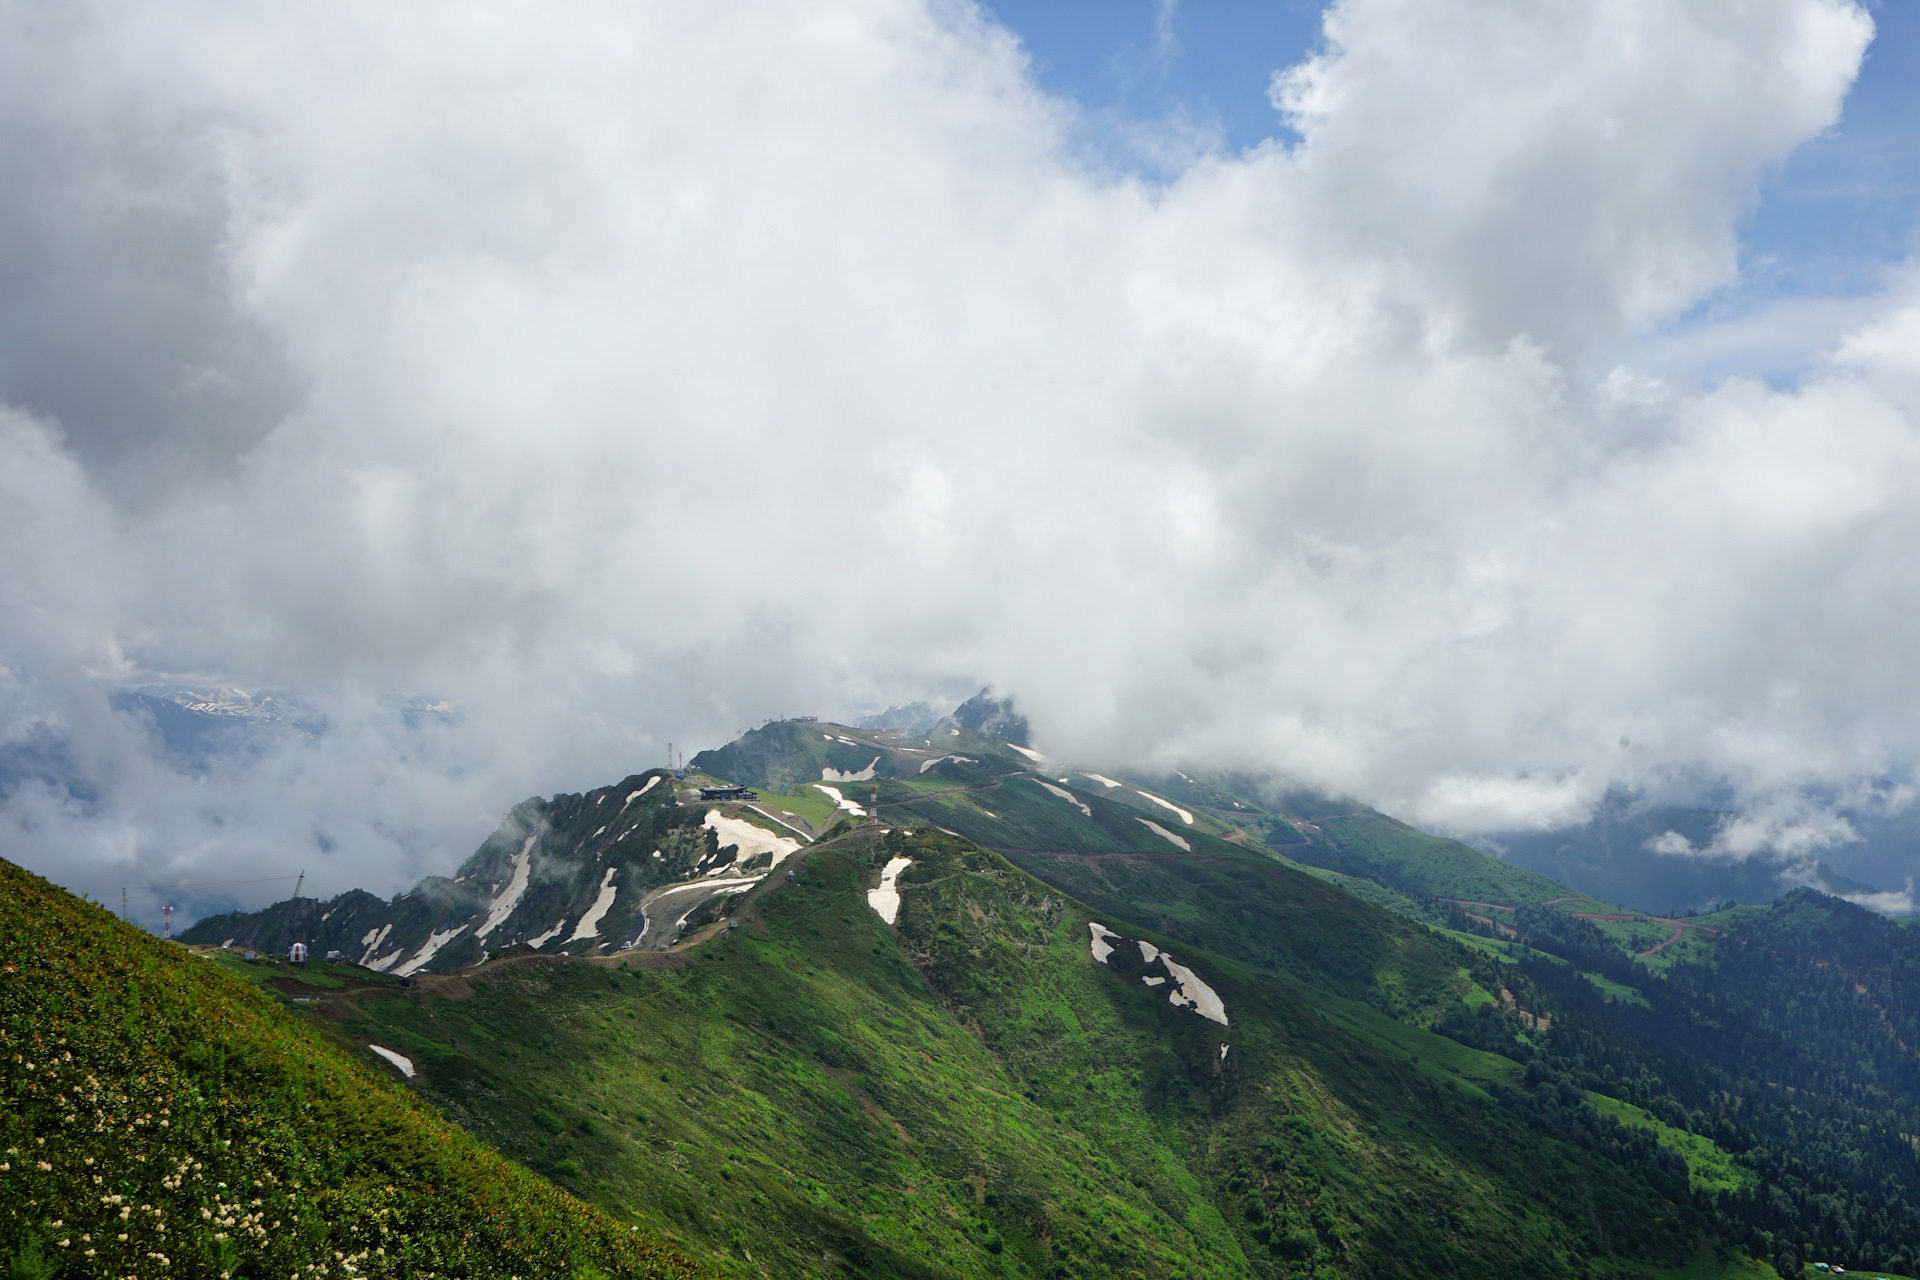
[1282, 921]
[1707, 1165]
[969, 1095]
[1617, 991]
[1379, 848]
[810, 804]
[161, 1116]
[1708, 1264]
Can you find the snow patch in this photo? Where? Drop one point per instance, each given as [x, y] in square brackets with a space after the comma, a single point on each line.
[1166, 804]
[956, 759]
[635, 795]
[372, 944]
[840, 801]
[1191, 993]
[323, 919]
[1165, 834]
[1068, 796]
[405, 1064]
[589, 926]
[1101, 947]
[864, 775]
[1223, 1051]
[596, 835]
[886, 899]
[1102, 779]
[751, 840]
[539, 940]
[434, 942]
[1034, 756]
[516, 887]
[1187, 991]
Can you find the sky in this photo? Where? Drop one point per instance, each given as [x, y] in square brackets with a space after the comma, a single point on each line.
[1470, 407]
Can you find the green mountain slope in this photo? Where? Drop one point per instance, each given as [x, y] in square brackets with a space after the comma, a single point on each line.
[160, 1118]
[1270, 917]
[1684, 1055]
[973, 1092]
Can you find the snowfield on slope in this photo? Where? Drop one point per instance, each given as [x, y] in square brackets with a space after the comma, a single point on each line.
[886, 899]
[1166, 804]
[1165, 834]
[864, 775]
[400, 1061]
[509, 896]
[840, 801]
[371, 944]
[1185, 990]
[1193, 993]
[589, 926]
[434, 942]
[1068, 796]
[750, 839]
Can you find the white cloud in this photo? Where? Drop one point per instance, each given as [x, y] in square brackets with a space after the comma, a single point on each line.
[666, 367]
[1893, 902]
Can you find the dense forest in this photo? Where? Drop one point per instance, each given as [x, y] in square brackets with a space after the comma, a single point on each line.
[1790, 1048]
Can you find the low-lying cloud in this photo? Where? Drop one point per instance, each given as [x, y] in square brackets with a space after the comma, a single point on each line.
[637, 373]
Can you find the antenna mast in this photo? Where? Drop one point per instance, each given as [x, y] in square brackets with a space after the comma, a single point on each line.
[297, 883]
[123, 902]
[166, 924]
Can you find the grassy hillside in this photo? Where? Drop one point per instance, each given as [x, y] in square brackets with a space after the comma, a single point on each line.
[971, 1094]
[1272, 918]
[1391, 852]
[160, 1118]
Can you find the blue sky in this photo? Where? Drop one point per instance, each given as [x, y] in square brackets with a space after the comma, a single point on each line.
[1827, 229]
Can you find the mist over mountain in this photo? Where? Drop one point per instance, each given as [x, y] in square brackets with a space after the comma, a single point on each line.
[1335, 457]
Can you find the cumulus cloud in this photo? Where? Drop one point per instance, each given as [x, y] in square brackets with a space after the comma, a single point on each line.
[638, 374]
